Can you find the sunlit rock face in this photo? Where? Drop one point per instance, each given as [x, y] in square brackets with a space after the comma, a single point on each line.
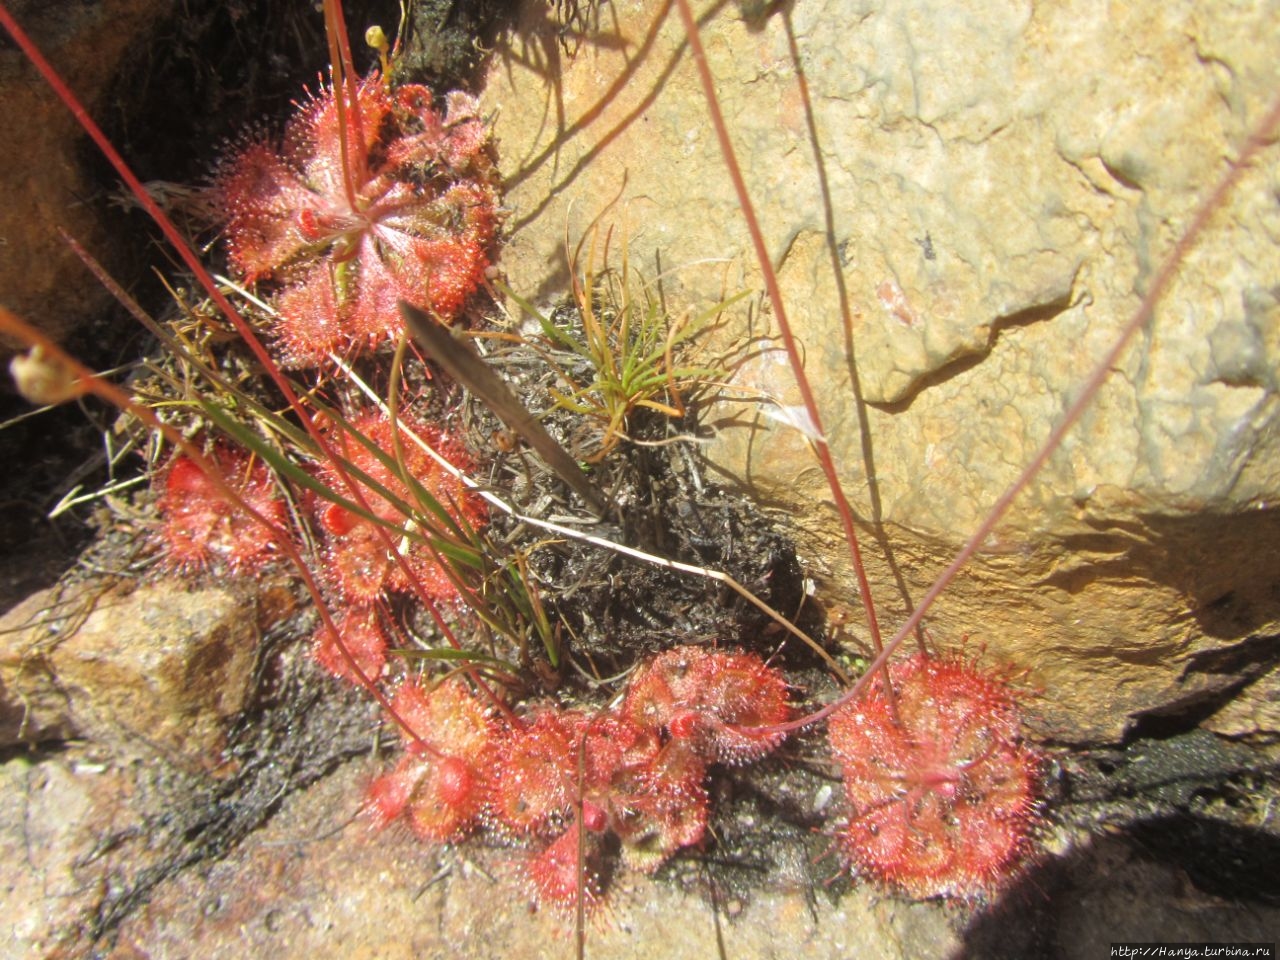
[964, 203]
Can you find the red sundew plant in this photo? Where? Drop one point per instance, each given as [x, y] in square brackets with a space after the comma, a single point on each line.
[358, 565]
[930, 844]
[81, 380]
[438, 783]
[626, 770]
[567, 874]
[939, 786]
[534, 793]
[398, 206]
[200, 527]
[534, 780]
[374, 197]
[664, 807]
[713, 702]
[387, 549]
[356, 642]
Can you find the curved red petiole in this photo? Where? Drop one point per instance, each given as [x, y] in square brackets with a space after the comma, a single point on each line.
[774, 291]
[1261, 137]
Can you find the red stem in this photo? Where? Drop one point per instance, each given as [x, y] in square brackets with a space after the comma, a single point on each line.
[1258, 140]
[346, 99]
[820, 446]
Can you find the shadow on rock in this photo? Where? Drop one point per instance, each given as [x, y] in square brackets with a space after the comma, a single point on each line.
[1179, 878]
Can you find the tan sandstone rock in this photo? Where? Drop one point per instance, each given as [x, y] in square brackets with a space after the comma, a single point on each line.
[163, 664]
[998, 184]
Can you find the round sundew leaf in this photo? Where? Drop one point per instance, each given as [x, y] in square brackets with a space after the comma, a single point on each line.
[446, 803]
[531, 786]
[554, 874]
[941, 797]
[402, 204]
